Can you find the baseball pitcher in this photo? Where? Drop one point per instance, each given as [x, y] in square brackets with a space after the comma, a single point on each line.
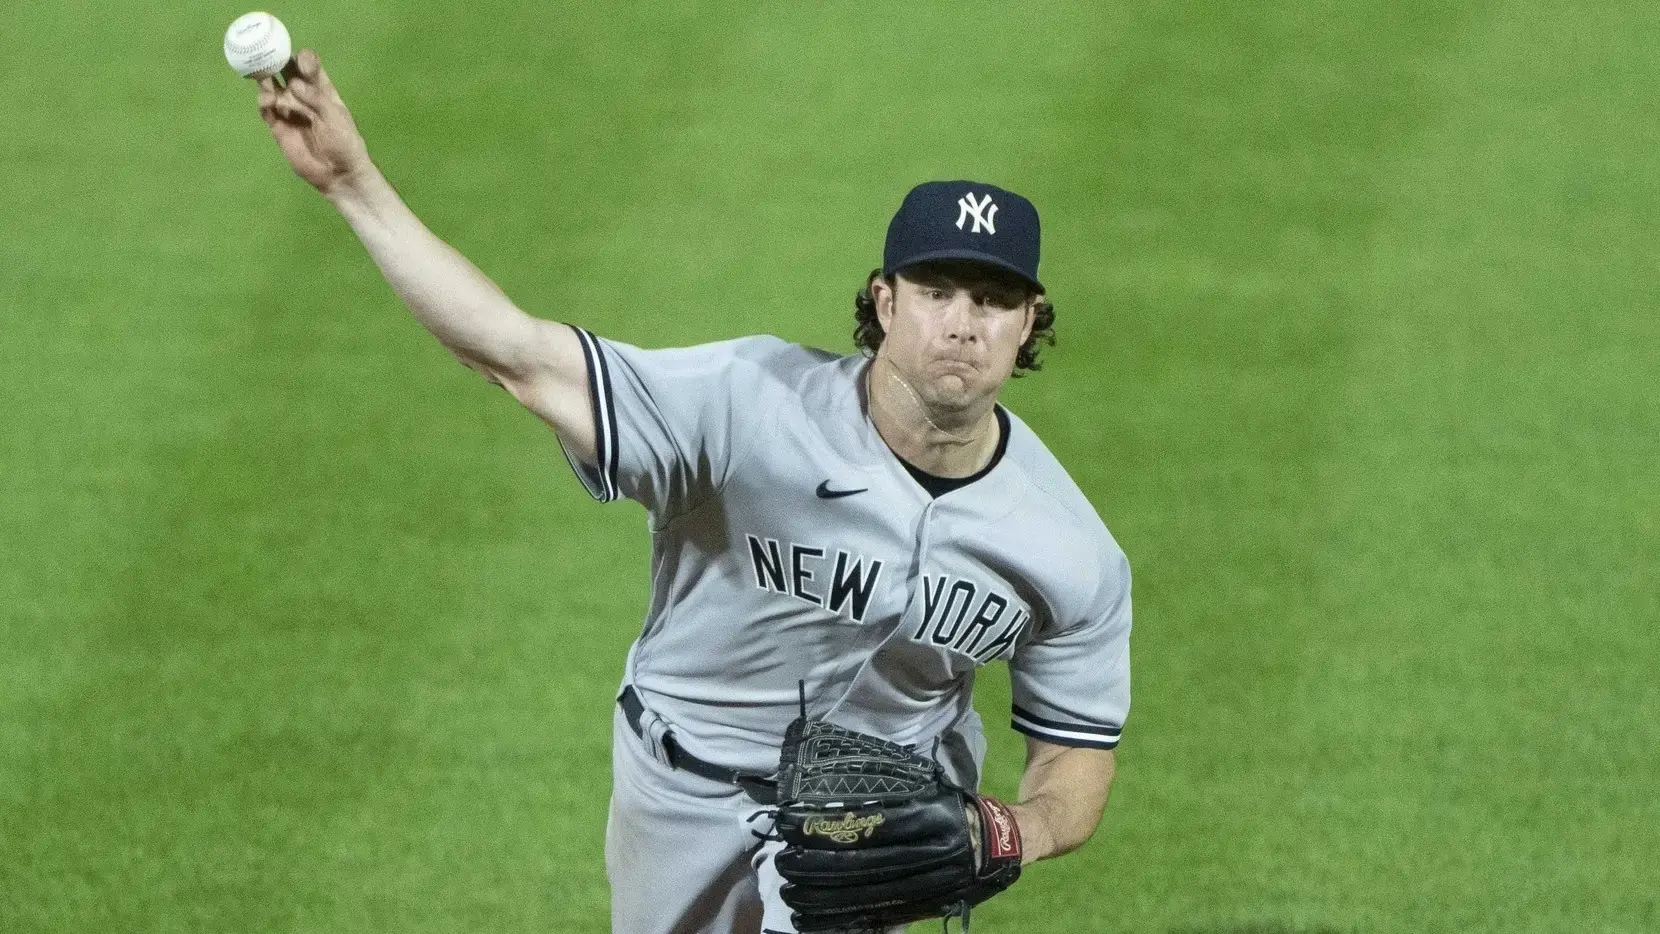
[839, 542]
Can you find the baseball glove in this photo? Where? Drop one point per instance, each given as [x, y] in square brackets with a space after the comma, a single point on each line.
[876, 836]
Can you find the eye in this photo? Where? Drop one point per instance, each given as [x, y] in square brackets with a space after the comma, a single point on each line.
[937, 295]
[1002, 301]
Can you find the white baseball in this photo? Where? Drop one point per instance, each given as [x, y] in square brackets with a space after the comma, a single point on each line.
[257, 45]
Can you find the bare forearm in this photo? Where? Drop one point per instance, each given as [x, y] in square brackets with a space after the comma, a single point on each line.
[1062, 795]
[541, 363]
[447, 294]
[538, 361]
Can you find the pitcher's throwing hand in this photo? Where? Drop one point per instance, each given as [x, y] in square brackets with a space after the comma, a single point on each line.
[312, 125]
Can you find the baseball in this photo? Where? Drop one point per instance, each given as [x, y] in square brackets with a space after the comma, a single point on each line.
[257, 45]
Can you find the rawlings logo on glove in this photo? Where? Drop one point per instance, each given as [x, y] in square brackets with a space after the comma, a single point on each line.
[846, 830]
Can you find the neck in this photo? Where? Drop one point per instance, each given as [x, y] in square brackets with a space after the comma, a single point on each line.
[944, 441]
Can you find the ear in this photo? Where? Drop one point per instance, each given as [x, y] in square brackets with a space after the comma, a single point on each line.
[884, 294]
[1031, 318]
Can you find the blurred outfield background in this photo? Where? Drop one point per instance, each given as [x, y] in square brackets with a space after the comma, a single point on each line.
[305, 628]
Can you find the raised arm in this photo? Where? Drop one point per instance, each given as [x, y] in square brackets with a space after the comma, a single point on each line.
[1062, 794]
[540, 362]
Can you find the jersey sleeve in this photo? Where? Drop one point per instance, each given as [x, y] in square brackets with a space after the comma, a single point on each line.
[1071, 687]
[669, 424]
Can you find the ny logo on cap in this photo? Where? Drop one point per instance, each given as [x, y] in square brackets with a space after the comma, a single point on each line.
[968, 207]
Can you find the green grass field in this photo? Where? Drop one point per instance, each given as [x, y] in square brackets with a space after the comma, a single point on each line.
[304, 628]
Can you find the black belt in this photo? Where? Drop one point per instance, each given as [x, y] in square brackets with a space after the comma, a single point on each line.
[760, 787]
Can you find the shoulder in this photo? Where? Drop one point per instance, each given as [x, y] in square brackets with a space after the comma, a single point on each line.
[784, 359]
[1069, 512]
[743, 359]
[766, 347]
[811, 375]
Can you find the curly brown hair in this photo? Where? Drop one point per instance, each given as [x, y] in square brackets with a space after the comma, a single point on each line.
[867, 328]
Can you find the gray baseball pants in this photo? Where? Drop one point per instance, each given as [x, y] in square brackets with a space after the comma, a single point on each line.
[682, 851]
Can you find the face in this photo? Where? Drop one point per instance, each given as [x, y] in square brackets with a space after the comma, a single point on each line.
[953, 329]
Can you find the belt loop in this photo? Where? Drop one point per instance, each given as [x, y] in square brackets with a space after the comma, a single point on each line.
[659, 740]
[652, 730]
[660, 744]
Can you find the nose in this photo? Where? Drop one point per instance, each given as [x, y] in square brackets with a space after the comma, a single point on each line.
[962, 318]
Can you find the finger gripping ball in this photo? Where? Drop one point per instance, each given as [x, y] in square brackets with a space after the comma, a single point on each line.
[257, 45]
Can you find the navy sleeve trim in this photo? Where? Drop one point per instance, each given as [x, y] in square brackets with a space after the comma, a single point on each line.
[1065, 734]
[602, 480]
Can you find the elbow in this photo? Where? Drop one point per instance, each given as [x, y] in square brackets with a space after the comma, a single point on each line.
[1073, 837]
[490, 376]
[493, 373]
[1051, 832]
[474, 362]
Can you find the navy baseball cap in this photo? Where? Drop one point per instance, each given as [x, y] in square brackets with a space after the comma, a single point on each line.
[964, 220]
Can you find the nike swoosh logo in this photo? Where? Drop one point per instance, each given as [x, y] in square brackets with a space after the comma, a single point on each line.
[824, 491]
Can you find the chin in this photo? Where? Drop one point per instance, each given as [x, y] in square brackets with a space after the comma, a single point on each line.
[952, 391]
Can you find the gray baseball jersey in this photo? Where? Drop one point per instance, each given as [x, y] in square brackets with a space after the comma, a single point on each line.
[789, 543]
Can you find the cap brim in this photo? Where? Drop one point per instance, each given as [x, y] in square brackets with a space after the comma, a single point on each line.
[974, 255]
